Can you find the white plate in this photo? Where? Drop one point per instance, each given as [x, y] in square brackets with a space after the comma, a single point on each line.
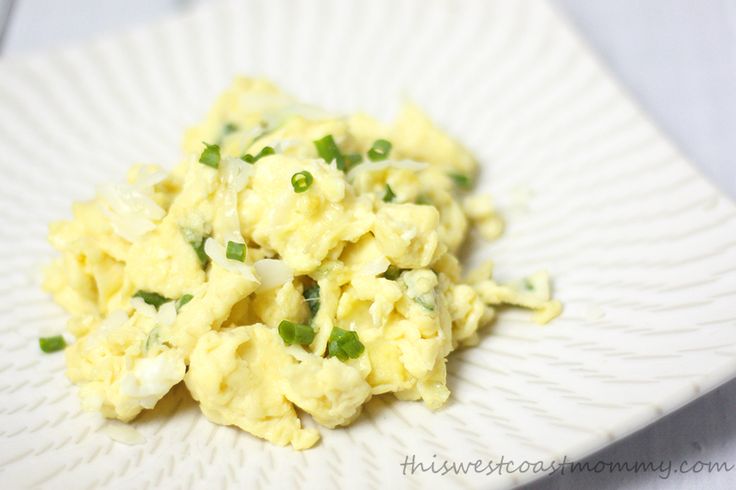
[642, 249]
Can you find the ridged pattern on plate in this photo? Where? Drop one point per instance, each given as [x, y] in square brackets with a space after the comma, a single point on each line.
[643, 251]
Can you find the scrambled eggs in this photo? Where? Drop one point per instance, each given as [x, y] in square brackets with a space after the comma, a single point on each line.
[293, 260]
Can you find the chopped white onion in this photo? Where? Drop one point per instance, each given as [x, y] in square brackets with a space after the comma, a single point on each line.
[144, 308]
[120, 432]
[130, 208]
[129, 227]
[149, 179]
[167, 314]
[276, 117]
[113, 321]
[273, 273]
[376, 166]
[281, 146]
[126, 199]
[150, 378]
[216, 252]
[236, 173]
[276, 108]
[409, 233]
[376, 267]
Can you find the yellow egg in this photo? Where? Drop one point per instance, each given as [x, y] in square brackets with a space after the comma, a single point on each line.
[236, 376]
[352, 243]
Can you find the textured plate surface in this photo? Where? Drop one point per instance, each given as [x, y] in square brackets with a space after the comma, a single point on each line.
[642, 249]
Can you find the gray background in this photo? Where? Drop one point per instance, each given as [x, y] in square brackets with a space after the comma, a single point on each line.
[676, 57]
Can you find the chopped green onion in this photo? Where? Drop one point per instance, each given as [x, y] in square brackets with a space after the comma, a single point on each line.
[153, 338]
[304, 334]
[392, 273]
[52, 344]
[196, 239]
[210, 155]
[380, 150]
[344, 344]
[461, 180]
[353, 347]
[301, 181]
[526, 283]
[198, 246]
[334, 350]
[235, 251]
[151, 298]
[287, 331]
[295, 333]
[425, 303]
[311, 296]
[352, 159]
[229, 128]
[328, 151]
[265, 151]
[389, 195]
[423, 200]
[339, 334]
[186, 298]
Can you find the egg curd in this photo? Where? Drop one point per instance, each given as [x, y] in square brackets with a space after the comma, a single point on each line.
[294, 262]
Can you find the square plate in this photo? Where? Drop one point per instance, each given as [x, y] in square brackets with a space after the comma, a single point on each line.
[641, 247]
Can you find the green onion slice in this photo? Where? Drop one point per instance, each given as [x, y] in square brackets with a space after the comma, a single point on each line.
[352, 159]
[392, 272]
[301, 181]
[295, 333]
[328, 151]
[334, 350]
[389, 195]
[52, 344]
[229, 128]
[311, 296]
[153, 338]
[423, 200]
[461, 180]
[236, 251]
[186, 298]
[265, 151]
[425, 303]
[344, 344]
[198, 246]
[153, 299]
[380, 150]
[210, 155]
[352, 347]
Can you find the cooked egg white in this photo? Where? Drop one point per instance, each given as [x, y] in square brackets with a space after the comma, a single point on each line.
[363, 260]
